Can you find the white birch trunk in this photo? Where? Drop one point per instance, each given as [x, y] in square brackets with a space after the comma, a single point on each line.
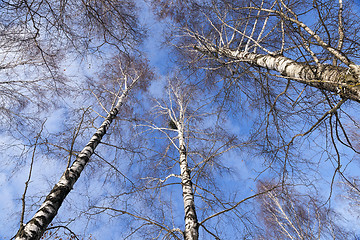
[191, 223]
[35, 228]
[339, 80]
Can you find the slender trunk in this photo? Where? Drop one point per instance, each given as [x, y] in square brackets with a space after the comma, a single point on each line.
[35, 228]
[339, 80]
[191, 223]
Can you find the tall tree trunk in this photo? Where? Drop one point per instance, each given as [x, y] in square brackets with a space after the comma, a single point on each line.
[339, 80]
[35, 228]
[191, 223]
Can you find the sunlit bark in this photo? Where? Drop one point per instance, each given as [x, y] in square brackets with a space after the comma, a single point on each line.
[191, 222]
[338, 80]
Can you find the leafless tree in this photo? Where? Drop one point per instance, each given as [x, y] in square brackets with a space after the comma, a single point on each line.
[297, 73]
[294, 64]
[36, 39]
[34, 228]
[288, 214]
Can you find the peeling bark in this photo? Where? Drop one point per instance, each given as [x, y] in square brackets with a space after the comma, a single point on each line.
[34, 229]
[191, 222]
[339, 80]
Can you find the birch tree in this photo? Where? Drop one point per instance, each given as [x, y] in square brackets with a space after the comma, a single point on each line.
[294, 64]
[37, 39]
[290, 215]
[178, 123]
[294, 61]
[326, 62]
[38, 42]
[37, 225]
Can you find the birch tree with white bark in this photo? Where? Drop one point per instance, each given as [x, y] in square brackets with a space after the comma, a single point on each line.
[38, 40]
[297, 61]
[287, 214]
[37, 225]
[294, 65]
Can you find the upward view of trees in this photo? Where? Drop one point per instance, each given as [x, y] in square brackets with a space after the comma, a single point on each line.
[250, 132]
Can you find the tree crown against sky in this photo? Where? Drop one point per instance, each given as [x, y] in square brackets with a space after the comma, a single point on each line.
[252, 133]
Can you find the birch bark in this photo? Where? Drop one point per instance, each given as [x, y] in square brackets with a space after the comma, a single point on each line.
[339, 80]
[191, 223]
[34, 229]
